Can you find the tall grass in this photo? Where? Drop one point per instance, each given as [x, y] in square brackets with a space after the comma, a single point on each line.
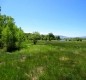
[45, 61]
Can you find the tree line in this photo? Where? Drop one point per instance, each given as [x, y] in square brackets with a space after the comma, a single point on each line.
[35, 36]
[12, 37]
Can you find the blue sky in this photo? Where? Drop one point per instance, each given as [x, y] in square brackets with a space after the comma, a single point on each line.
[61, 17]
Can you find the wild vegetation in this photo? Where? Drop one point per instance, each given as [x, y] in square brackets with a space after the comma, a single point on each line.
[11, 37]
[53, 60]
[34, 56]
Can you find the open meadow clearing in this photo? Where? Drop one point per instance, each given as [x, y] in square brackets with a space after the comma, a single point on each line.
[42, 39]
[51, 60]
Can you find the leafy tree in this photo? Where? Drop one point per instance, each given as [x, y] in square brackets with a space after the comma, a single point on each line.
[58, 38]
[27, 35]
[78, 39]
[35, 37]
[30, 36]
[19, 38]
[11, 37]
[51, 36]
[8, 39]
[42, 37]
[46, 37]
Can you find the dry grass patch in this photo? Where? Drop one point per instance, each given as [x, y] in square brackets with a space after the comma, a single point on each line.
[63, 58]
[62, 49]
[35, 73]
[23, 58]
[2, 63]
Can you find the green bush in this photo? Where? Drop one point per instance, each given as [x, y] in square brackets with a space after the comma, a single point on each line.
[11, 36]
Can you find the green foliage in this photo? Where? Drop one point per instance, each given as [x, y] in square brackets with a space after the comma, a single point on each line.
[28, 36]
[20, 38]
[51, 36]
[10, 36]
[78, 39]
[46, 37]
[1, 43]
[35, 37]
[58, 38]
[53, 60]
[74, 39]
[42, 37]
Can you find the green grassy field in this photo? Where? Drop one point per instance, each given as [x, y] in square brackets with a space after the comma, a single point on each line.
[45, 61]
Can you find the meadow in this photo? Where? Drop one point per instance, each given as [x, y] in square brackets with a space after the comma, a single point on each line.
[47, 60]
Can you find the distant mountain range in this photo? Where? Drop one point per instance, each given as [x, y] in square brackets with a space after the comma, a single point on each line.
[83, 37]
[63, 37]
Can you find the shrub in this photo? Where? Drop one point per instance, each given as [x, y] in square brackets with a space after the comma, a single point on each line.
[11, 36]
